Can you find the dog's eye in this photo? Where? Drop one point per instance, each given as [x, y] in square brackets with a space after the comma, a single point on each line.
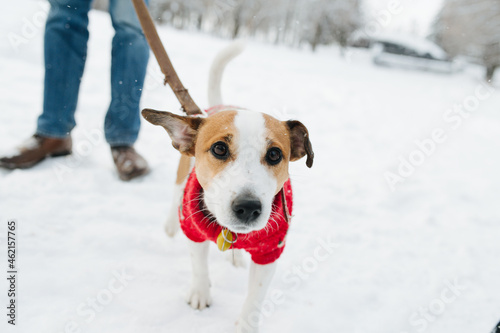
[274, 156]
[220, 150]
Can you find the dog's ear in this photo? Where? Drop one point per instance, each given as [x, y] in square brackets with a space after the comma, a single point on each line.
[299, 142]
[182, 130]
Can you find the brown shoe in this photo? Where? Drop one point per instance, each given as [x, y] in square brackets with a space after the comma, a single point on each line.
[35, 150]
[129, 163]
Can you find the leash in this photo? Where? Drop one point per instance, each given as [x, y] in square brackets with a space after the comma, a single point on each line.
[154, 41]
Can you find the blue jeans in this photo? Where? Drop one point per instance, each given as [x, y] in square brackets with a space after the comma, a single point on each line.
[66, 37]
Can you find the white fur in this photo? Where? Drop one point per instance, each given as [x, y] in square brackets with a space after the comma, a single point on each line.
[217, 69]
[245, 175]
[172, 223]
[259, 281]
[199, 294]
[236, 258]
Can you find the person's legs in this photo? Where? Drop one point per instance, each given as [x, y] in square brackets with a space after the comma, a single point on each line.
[65, 49]
[66, 37]
[130, 56]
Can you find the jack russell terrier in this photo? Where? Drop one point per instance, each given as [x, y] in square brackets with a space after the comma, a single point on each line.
[237, 190]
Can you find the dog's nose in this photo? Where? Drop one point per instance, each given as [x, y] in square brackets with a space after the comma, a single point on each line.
[246, 209]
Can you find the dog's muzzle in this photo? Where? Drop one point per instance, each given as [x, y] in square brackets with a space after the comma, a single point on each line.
[246, 208]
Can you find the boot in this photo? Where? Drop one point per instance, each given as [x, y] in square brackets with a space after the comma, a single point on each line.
[35, 150]
[129, 163]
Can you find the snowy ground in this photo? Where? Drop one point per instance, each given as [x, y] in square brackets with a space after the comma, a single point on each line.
[420, 258]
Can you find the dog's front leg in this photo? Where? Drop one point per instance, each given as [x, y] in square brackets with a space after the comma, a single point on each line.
[185, 166]
[172, 223]
[259, 281]
[199, 295]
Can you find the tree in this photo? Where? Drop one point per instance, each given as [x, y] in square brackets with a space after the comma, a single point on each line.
[471, 28]
[345, 18]
[330, 21]
[280, 21]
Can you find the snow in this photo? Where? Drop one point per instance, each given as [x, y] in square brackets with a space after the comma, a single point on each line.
[394, 253]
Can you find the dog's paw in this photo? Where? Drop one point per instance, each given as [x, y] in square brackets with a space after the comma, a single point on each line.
[172, 225]
[199, 297]
[243, 327]
[236, 258]
[171, 229]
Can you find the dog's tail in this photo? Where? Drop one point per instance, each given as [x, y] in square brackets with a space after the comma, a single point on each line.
[217, 69]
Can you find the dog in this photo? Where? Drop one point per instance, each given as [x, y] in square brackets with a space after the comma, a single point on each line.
[233, 187]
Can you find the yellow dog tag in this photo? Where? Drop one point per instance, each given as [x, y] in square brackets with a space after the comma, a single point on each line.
[225, 240]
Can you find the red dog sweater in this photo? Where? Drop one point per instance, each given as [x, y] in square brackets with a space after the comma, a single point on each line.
[265, 245]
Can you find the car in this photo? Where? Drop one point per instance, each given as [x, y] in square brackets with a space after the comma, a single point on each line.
[412, 53]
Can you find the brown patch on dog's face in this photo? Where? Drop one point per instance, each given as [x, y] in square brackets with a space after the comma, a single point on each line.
[217, 128]
[277, 136]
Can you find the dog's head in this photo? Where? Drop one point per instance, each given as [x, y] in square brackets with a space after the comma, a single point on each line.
[241, 160]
